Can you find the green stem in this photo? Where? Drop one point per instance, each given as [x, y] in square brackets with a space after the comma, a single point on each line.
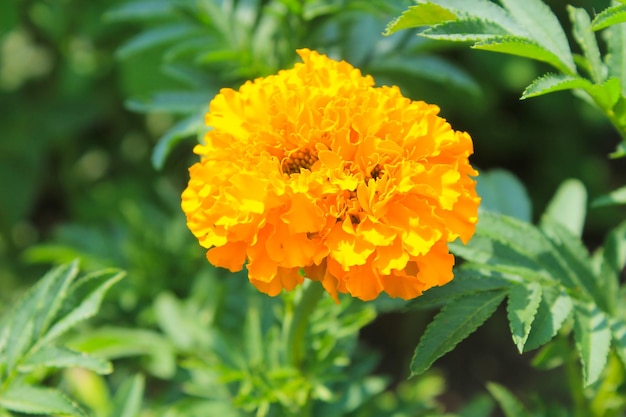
[575, 382]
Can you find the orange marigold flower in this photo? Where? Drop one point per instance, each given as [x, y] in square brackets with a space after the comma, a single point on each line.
[315, 170]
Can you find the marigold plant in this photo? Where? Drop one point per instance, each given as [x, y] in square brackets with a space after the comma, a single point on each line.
[314, 172]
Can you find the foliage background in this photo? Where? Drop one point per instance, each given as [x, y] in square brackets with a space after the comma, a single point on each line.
[76, 178]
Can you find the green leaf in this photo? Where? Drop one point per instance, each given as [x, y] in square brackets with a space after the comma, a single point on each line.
[554, 308]
[454, 323]
[84, 301]
[501, 192]
[593, 339]
[539, 21]
[523, 47]
[569, 206]
[606, 94]
[465, 30]
[183, 129]
[550, 83]
[425, 14]
[609, 17]
[128, 398]
[58, 357]
[586, 38]
[481, 405]
[507, 401]
[34, 400]
[618, 334]
[521, 310]
[141, 10]
[615, 197]
[616, 55]
[158, 36]
[610, 262]
[482, 10]
[178, 102]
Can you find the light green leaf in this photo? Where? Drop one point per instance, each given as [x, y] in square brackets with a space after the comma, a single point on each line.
[554, 82]
[481, 405]
[507, 401]
[610, 261]
[171, 319]
[35, 400]
[141, 10]
[569, 206]
[158, 36]
[593, 339]
[465, 30]
[185, 128]
[616, 56]
[128, 398]
[501, 192]
[606, 94]
[521, 310]
[58, 357]
[483, 10]
[425, 14]
[454, 323]
[615, 197]
[618, 334]
[538, 20]
[523, 47]
[586, 38]
[83, 301]
[609, 17]
[554, 308]
[177, 102]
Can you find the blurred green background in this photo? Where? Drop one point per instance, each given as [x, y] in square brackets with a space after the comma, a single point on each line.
[79, 122]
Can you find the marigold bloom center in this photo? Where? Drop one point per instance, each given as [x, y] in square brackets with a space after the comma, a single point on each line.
[315, 170]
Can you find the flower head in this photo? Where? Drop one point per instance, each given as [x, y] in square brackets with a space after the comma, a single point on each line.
[316, 172]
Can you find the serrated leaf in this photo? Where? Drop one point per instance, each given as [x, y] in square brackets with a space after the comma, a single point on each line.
[425, 14]
[140, 10]
[538, 20]
[587, 40]
[521, 310]
[128, 398]
[554, 308]
[501, 192]
[483, 10]
[183, 129]
[555, 82]
[616, 54]
[177, 102]
[593, 339]
[523, 47]
[35, 400]
[59, 357]
[454, 323]
[568, 206]
[615, 197]
[466, 282]
[86, 297]
[609, 17]
[156, 37]
[618, 335]
[465, 30]
[610, 262]
[507, 401]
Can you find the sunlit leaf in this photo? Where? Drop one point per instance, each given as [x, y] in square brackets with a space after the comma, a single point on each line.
[35, 400]
[615, 197]
[609, 17]
[587, 40]
[554, 82]
[521, 310]
[593, 338]
[58, 357]
[465, 30]
[128, 399]
[569, 206]
[616, 56]
[554, 308]
[425, 14]
[454, 323]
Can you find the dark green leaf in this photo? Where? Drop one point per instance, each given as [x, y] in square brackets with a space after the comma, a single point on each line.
[609, 17]
[128, 399]
[586, 38]
[523, 47]
[509, 404]
[425, 14]
[84, 301]
[610, 262]
[466, 30]
[569, 206]
[183, 129]
[554, 308]
[501, 192]
[141, 10]
[58, 357]
[34, 400]
[539, 21]
[158, 36]
[478, 406]
[553, 354]
[521, 310]
[178, 102]
[593, 339]
[454, 323]
[615, 197]
[618, 334]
